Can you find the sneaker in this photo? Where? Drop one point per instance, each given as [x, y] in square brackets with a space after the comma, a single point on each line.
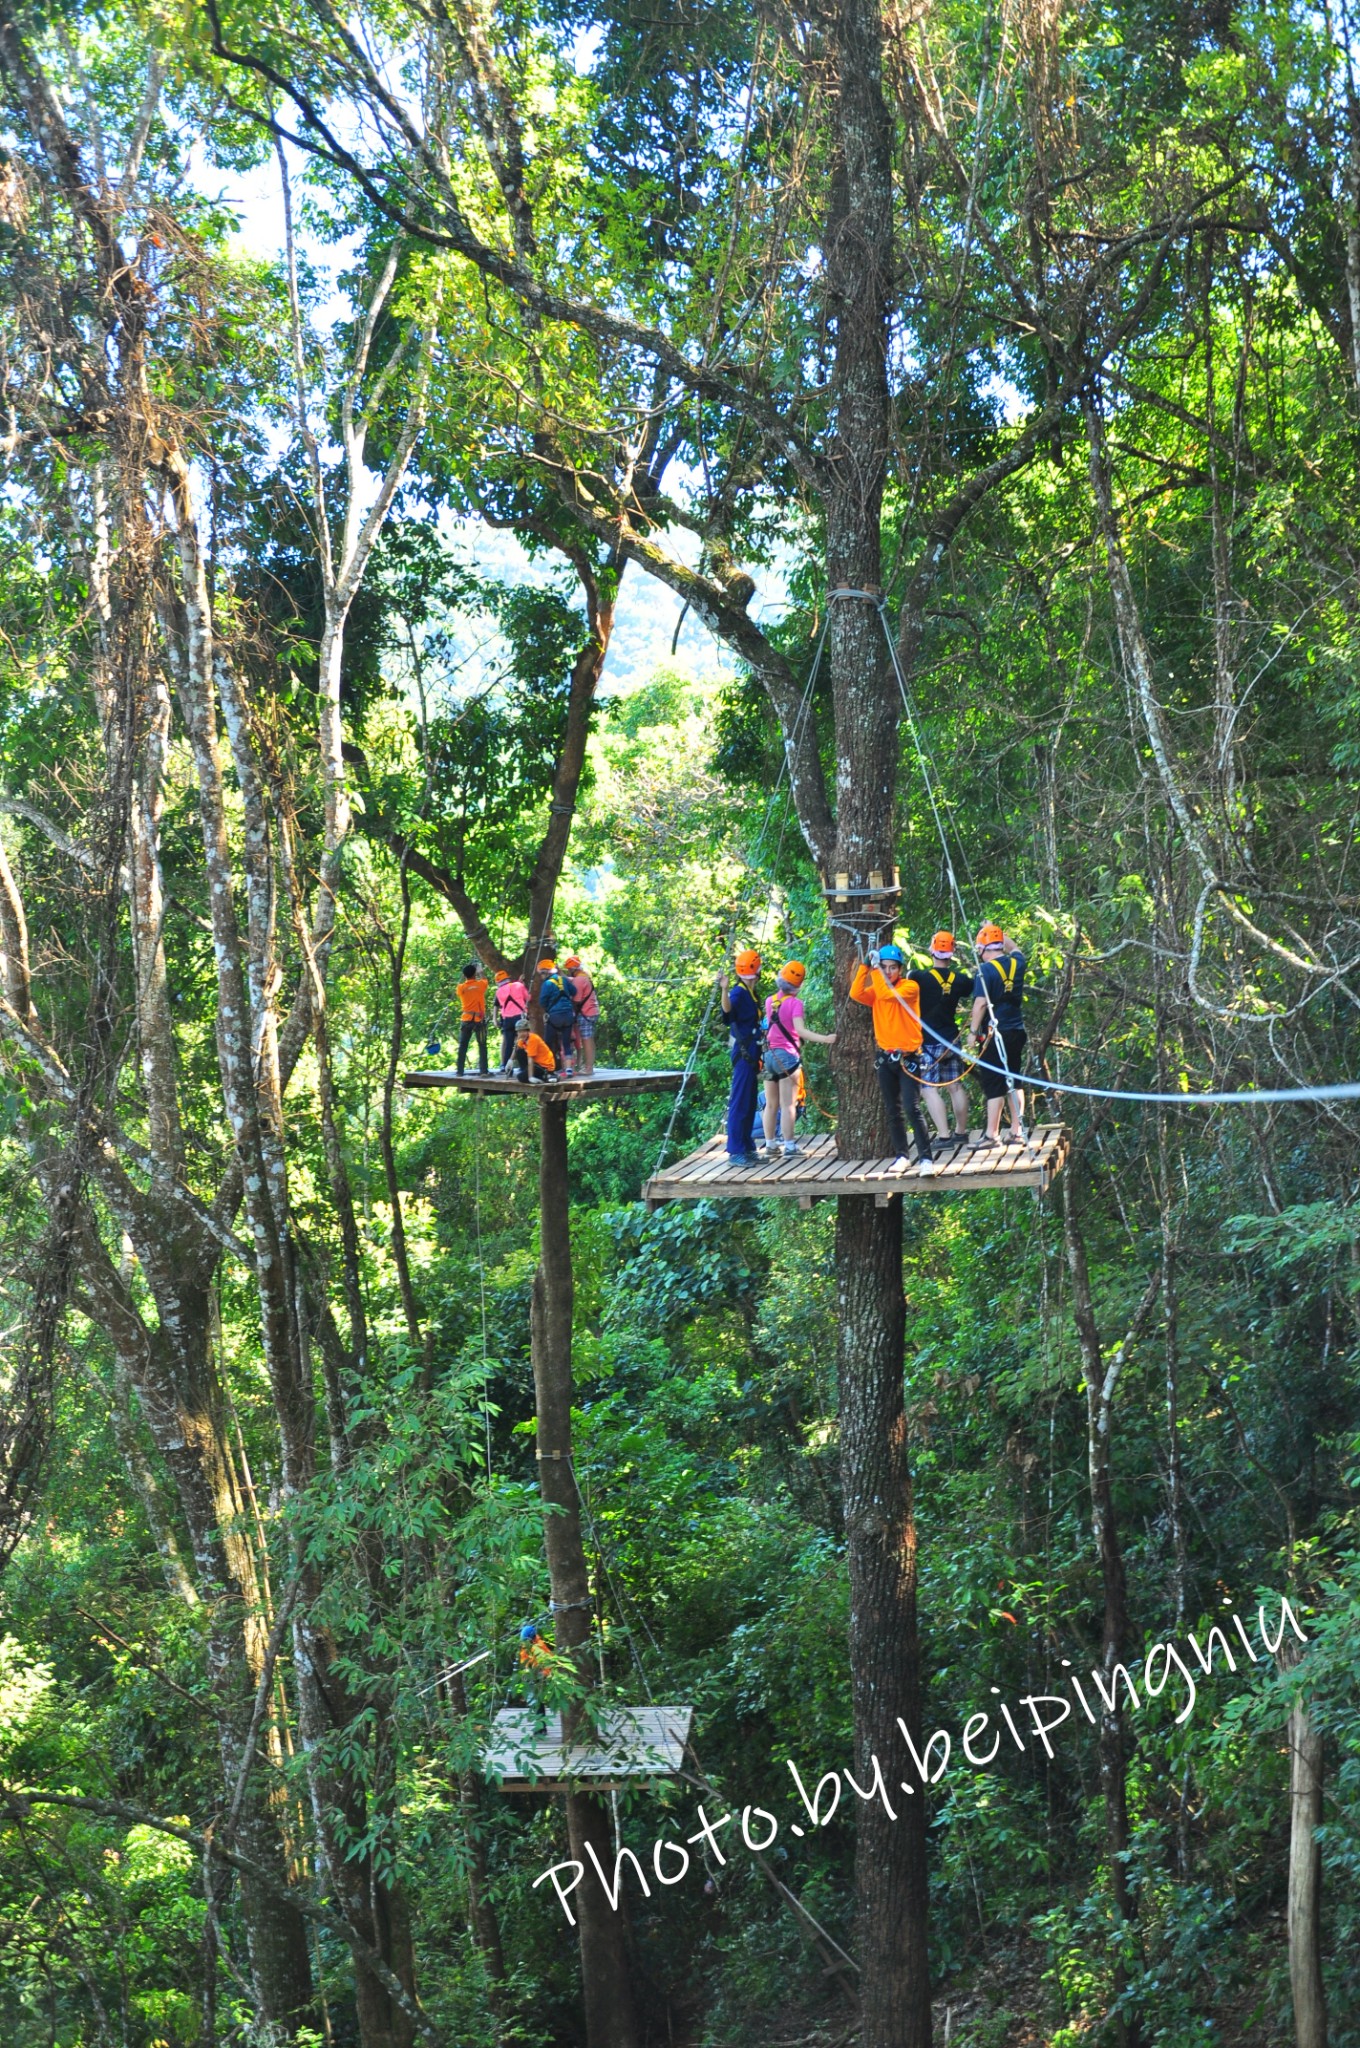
[762, 1151]
[793, 1151]
[925, 1168]
[743, 1159]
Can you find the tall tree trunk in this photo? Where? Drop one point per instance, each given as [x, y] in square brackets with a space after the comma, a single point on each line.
[1305, 1879]
[890, 1860]
[611, 2020]
[172, 1372]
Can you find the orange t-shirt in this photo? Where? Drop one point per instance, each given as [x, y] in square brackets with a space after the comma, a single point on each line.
[538, 1051]
[897, 1010]
[472, 996]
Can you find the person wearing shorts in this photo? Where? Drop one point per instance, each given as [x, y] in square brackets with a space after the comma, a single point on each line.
[785, 1029]
[587, 1012]
[512, 1003]
[998, 1030]
[940, 989]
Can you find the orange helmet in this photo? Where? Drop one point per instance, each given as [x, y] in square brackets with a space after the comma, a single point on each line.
[747, 961]
[990, 935]
[501, 974]
[572, 960]
[794, 973]
[943, 942]
[546, 966]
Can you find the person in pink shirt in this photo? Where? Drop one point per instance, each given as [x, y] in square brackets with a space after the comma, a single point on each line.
[587, 1013]
[512, 1003]
[785, 1031]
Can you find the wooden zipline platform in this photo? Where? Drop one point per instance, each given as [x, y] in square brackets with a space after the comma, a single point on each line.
[576, 1088]
[820, 1175]
[525, 1754]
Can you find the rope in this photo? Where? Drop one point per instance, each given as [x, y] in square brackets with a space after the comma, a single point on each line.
[1335, 1091]
[1343, 1091]
[790, 743]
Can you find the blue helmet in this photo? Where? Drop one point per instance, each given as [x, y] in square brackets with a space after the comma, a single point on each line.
[893, 953]
[528, 1632]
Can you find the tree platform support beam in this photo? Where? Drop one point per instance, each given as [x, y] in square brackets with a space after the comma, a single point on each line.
[611, 2019]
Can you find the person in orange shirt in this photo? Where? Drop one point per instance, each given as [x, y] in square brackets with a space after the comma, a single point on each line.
[472, 1002]
[880, 986]
[533, 1059]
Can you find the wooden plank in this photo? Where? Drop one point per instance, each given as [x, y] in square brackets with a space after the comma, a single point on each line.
[829, 1168]
[818, 1173]
[631, 1742]
[708, 1163]
[604, 1081]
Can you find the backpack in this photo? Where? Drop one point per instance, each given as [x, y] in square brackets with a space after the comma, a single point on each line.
[558, 1007]
[779, 1062]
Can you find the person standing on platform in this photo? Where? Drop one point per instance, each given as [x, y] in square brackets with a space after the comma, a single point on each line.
[742, 1011]
[940, 988]
[998, 1028]
[587, 1012]
[785, 1030]
[880, 986]
[532, 1059]
[472, 1003]
[559, 1013]
[512, 1003]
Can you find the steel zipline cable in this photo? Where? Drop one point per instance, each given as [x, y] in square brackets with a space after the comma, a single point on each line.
[1336, 1091]
[1214, 1098]
[790, 744]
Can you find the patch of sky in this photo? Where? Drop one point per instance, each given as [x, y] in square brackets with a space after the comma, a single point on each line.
[652, 627]
[1004, 395]
[585, 47]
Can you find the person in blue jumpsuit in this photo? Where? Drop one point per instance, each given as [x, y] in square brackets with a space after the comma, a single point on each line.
[742, 1012]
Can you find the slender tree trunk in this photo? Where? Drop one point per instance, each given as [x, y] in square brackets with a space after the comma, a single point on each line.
[1305, 1879]
[172, 1373]
[486, 1931]
[611, 2020]
[1101, 1380]
[585, 677]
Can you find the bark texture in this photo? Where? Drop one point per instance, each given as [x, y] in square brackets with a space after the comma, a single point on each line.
[611, 2019]
[1305, 1879]
[890, 1862]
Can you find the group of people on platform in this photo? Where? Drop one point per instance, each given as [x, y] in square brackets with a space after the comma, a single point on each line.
[920, 1051]
[567, 1002]
[921, 1055]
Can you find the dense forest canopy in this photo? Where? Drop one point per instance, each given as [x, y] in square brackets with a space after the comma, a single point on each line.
[984, 382]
